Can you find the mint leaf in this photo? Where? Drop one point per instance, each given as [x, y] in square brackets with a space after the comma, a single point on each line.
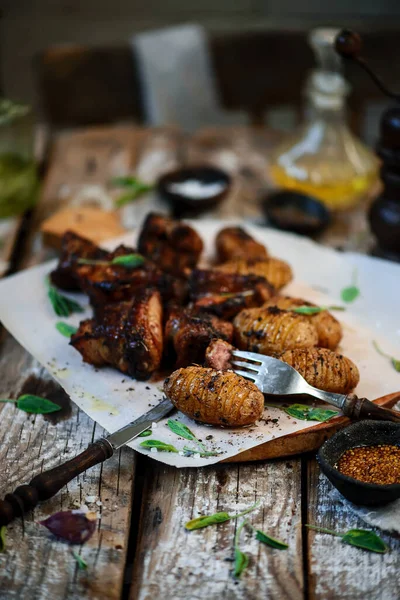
[241, 562]
[181, 429]
[36, 405]
[82, 564]
[270, 541]
[62, 306]
[394, 361]
[3, 534]
[161, 446]
[145, 433]
[207, 520]
[368, 540]
[130, 261]
[309, 413]
[313, 310]
[66, 329]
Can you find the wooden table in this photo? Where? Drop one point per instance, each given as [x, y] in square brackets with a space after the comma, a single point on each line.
[140, 549]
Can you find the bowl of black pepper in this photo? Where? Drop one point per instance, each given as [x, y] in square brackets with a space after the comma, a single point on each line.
[362, 461]
[300, 213]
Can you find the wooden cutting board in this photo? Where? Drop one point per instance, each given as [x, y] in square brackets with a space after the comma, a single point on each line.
[305, 440]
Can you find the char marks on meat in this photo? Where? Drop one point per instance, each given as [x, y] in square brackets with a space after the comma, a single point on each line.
[128, 336]
[188, 334]
[74, 247]
[173, 246]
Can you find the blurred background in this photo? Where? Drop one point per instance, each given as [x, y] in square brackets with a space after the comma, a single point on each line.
[28, 27]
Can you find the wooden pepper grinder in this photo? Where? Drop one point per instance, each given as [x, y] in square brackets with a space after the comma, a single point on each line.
[384, 215]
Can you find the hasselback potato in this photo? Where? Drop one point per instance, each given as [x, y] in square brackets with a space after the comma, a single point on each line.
[272, 331]
[276, 271]
[324, 369]
[328, 327]
[215, 397]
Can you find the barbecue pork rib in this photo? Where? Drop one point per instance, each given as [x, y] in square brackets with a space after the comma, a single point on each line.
[129, 336]
[172, 245]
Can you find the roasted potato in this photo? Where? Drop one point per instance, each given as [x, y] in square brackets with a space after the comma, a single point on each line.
[324, 369]
[215, 397]
[272, 331]
[235, 243]
[328, 328]
[277, 272]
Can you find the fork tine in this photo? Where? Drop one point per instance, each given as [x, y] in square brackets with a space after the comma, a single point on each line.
[246, 365]
[248, 355]
[246, 374]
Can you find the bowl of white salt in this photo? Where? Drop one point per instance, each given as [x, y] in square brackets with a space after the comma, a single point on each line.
[193, 190]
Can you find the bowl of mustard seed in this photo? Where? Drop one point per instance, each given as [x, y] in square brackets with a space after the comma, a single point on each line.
[362, 461]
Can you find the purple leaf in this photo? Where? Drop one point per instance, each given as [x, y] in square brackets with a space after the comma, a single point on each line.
[73, 526]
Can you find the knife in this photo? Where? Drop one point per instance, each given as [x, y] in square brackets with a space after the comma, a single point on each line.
[47, 484]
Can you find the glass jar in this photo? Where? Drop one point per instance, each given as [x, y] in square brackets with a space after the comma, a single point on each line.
[19, 180]
[323, 158]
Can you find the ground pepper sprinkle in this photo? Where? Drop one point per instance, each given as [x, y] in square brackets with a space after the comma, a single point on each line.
[371, 464]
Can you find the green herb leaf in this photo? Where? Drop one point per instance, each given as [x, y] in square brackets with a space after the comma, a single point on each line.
[349, 294]
[82, 564]
[202, 453]
[308, 413]
[361, 538]
[161, 446]
[66, 329]
[130, 261]
[216, 518]
[270, 541]
[241, 562]
[181, 429]
[134, 187]
[395, 362]
[145, 433]
[62, 306]
[207, 520]
[36, 405]
[313, 310]
[368, 540]
[3, 534]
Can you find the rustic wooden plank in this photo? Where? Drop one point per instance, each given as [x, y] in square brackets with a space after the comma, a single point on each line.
[174, 563]
[37, 565]
[337, 570]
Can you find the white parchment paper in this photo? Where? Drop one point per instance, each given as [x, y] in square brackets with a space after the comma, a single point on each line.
[113, 399]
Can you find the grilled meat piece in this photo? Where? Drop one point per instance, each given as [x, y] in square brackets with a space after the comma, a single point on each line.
[328, 328]
[106, 284]
[235, 243]
[219, 355]
[128, 336]
[271, 331]
[203, 282]
[74, 247]
[277, 272]
[215, 397]
[172, 245]
[188, 334]
[324, 369]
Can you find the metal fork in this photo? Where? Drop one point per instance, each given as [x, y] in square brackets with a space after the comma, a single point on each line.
[275, 377]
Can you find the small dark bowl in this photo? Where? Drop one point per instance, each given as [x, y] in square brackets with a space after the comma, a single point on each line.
[296, 212]
[362, 433]
[186, 205]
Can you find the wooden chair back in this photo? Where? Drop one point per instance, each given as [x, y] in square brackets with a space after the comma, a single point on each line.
[80, 85]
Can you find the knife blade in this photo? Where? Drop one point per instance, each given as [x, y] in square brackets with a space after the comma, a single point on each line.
[132, 430]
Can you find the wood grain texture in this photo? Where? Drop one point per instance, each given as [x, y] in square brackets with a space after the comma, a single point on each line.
[36, 564]
[174, 563]
[339, 571]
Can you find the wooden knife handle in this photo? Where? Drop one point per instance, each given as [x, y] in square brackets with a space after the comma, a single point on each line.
[361, 408]
[48, 483]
